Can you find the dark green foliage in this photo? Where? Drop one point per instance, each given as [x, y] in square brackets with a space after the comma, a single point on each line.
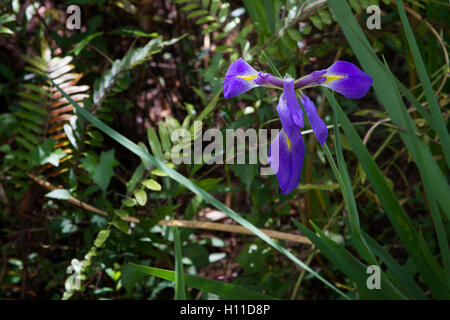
[92, 112]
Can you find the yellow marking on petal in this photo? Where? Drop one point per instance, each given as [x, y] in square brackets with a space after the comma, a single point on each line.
[288, 141]
[332, 78]
[248, 78]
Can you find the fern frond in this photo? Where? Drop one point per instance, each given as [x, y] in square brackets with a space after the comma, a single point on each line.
[110, 80]
[43, 111]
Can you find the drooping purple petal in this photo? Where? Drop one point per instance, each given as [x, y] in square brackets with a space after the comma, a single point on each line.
[286, 160]
[347, 79]
[292, 102]
[291, 129]
[279, 159]
[239, 79]
[287, 150]
[297, 156]
[318, 125]
[285, 114]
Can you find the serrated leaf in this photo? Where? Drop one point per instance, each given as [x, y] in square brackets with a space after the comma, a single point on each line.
[45, 153]
[53, 157]
[104, 171]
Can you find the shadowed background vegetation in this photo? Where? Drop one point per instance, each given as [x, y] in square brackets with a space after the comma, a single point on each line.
[85, 124]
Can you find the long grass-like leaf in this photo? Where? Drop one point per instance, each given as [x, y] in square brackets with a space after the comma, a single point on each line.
[348, 264]
[438, 225]
[222, 289]
[436, 115]
[429, 268]
[210, 107]
[349, 199]
[401, 275]
[180, 292]
[387, 95]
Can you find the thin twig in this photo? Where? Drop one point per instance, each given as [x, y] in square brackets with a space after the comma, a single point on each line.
[104, 55]
[181, 223]
[234, 229]
[76, 201]
[302, 275]
[385, 122]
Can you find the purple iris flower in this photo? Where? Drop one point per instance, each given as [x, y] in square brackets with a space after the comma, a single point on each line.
[287, 150]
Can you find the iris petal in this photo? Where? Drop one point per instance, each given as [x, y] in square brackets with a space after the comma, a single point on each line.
[239, 79]
[285, 114]
[287, 164]
[318, 125]
[287, 150]
[279, 159]
[297, 156]
[292, 102]
[347, 79]
[312, 79]
[240, 68]
[235, 86]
